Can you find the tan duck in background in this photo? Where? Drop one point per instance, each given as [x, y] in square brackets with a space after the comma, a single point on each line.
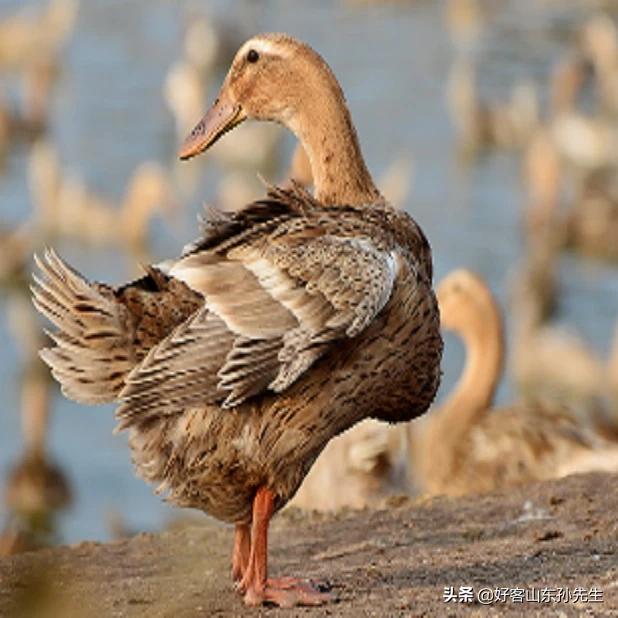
[589, 224]
[27, 119]
[569, 168]
[598, 42]
[16, 247]
[586, 140]
[307, 315]
[585, 158]
[542, 177]
[466, 446]
[37, 488]
[535, 283]
[66, 208]
[479, 124]
[358, 469]
[551, 361]
[546, 360]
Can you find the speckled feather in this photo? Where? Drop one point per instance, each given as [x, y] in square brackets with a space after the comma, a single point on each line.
[285, 324]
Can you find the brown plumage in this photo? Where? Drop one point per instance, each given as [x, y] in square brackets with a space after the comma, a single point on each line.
[285, 324]
[465, 445]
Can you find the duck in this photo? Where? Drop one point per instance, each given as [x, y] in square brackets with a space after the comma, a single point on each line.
[480, 125]
[16, 126]
[583, 140]
[65, 207]
[361, 468]
[36, 484]
[16, 246]
[598, 45]
[552, 361]
[465, 445]
[37, 488]
[549, 360]
[589, 224]
[543, 176]
[297, 306]
[27, 122]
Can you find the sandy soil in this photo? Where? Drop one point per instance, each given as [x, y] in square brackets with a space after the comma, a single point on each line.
[391, 562]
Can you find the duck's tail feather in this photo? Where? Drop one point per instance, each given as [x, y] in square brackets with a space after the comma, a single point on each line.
[93, 352]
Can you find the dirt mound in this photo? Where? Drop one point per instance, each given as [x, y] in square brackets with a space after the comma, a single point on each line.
[555, 543]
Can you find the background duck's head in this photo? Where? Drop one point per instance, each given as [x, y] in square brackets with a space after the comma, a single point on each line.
[269, 79]
[466, 303]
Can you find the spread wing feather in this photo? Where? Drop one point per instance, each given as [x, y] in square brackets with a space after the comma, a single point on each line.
[272, 307]
[93, 349]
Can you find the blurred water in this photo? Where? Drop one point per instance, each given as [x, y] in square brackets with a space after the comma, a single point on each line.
[392, 60]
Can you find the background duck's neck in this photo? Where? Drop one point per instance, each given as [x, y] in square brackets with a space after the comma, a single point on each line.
[329, 138]
[440, 441]
[474, 392]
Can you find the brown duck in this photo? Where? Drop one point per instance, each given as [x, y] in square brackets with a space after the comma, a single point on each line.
[285, 324]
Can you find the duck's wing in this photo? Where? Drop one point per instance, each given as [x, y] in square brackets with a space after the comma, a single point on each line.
[103, 333]
[273, 305]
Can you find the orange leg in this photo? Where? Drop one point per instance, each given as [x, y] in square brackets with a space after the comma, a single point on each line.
[255, 585]
[242, 549]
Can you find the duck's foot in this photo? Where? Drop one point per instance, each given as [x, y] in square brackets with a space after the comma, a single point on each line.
[255, 586]
[289, 592]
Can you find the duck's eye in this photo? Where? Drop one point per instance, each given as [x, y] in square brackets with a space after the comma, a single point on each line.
[252, 56]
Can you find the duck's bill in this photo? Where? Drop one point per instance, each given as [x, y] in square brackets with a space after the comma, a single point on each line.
[222, 117]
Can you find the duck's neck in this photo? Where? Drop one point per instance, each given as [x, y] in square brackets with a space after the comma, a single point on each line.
[325, 129]
[440, 442]
[474, 392]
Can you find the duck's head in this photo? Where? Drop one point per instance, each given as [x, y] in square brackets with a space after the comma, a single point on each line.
[469, 309]
[269, 79]
[465, 302]
[275, 77]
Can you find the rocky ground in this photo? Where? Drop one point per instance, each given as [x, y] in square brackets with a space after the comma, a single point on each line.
[399, 561]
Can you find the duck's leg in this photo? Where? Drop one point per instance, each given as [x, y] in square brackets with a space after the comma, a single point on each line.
[242, 550]
[257, 588]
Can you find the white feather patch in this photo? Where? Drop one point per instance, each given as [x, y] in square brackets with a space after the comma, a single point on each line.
[264, 46]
